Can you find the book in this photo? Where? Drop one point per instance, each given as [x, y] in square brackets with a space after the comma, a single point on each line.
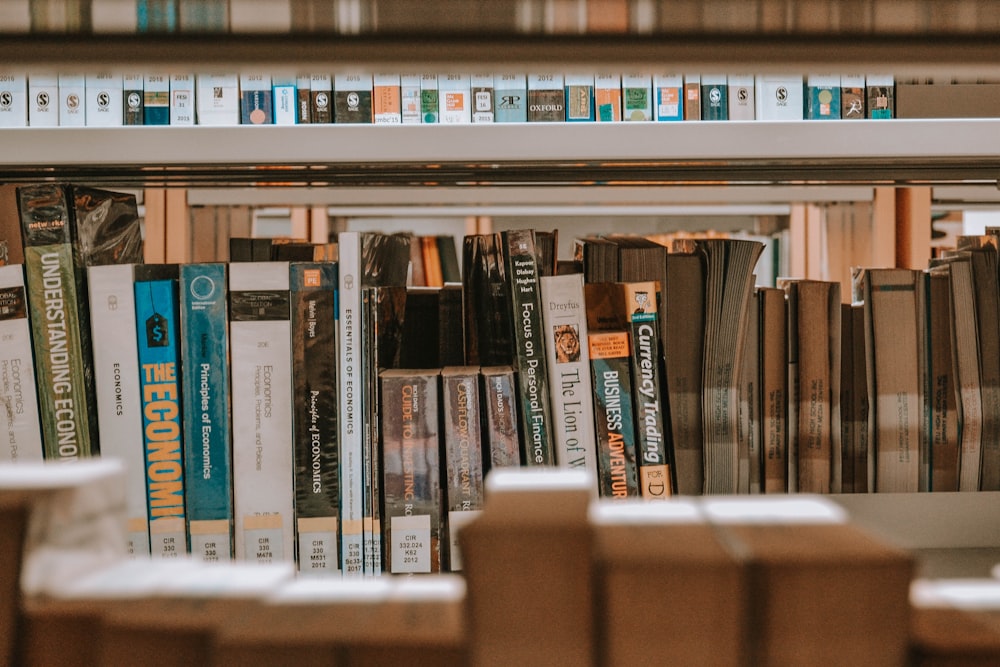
[13, 100]
[320, 98]
[483, 108]
[692, 97]
[779, 97]
[429, 105]
[637, 102]
[668, 91]
[103, 100]
[352, 97]
[285, 99]
[852, 96]
[256, 99]
[202, 15]
[156, 99]
[454, 98]
[565, 320]
[773, 324]
[714, 97]
[303, 98]
[156, 15]
[607, 97]
[579, 98]
[204, 329]
[462, 451]
[521, 267]
[432, 329]
[616, 455]
[411, 476]
[823, 97]
[161, 391]
[488, 335]
[546, 99]
[749, 434]
[942, 387]
[880, 96]
[182, 99]
[132, 99]
[409, 98]
[313, 295]
[43, 100]
[72, 96]
[260, 376]
[22, 432]
[510, 91]
[984, 277]
[217, 99]
[116, 377]
[741, 97]
[501, 448]
[386, 105]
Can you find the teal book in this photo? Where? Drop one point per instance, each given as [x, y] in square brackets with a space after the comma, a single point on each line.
[157, 15]
[204, 325]
[714, 97]
[313, 291]
[823, 97]
[510, 95]
[160, 376]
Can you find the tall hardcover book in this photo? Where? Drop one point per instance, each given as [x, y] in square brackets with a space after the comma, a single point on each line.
[510, 91]
[116, 375]
[485, 291]
[72, 96]
[565, 319]
[637, 98]
[880, 95]
[773, 387]
[182, 99]
[852, 96]
[521, 266]
[454, 98]
[463, 454]
[132, 99]
[579, 98]
[748, 437]
[411, 476]
[160, 386]
[104, 100]
[204, 343]
[352, 97]
[429, 99]
[321, 98]
[501, 447]
[483, 108]
[256, 99]
[260, 375]
[43, 100]
[607, 97]
[13, 100]
[314, 418]
[217, 99]
[668, 94]
[409, 98]
[22, 432]
[546, 99]
[984, 277]
[741, 97]
[942, 389]
[823, 97]
[611, 375]
[386, 105]
[156, 99]
[714, 97]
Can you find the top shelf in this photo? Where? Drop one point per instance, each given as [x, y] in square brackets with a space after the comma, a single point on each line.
[932, 152]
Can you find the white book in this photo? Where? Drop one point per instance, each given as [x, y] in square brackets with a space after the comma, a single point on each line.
[637, 98]
[260, 353]
[409, 98]
[285, 99]
[778, 97]
[741, 97]
[260, 16]
[482, 98]
[43, 100]
[668, 96]
[349, 396]
[564, 318]
[182, 101]
[116, 375]
[72, 92]
[217, 99]
[13, 99]
[114, 16]
[454, 93]
[104, 102]
[15, 15]
[21, 431]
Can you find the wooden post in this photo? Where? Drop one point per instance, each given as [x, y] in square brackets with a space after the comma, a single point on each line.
[155, 223]
[883, 238]
[913, 227]
[177, 228]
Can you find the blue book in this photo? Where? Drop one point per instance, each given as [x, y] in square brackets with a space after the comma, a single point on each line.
[256, 99]
[313, 292]
[823, 97]
[510, 95]
[160, 394]
[204, 325]
[156, 15]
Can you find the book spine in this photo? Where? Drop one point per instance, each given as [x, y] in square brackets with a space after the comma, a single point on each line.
[546, 103]
[321, 98]
[647, 391]
[741, 97]
[409, 98]
[13, 100]
[156, 100]
[43, 100]
[207, 435]
[608, 98]
[429, 105]
[616, 464]
[483, 110]
[852, 96]
[256, 99]
[823, 97]
[774, 388]
[260, 376]
[104, 100]
[371, 493]
[386, 104]
[285, 100]
[501, 441]
[116, 375]
[668, 91]
[511, 94]
[303, 98]
[636, 97]
[412, 484]
[314, 417]
[714, 97]
[182, 101]
[352, 98]
[779, 97]
[62, 358]
[881, 95]
[19, 425]
[692, 97]
[463, 454]
[579, 98]
[132, 97]
[350, 399]
[532, 371]
[565, 321]
[454, 93]
[217, 98]
[72, 95]
[160, 377]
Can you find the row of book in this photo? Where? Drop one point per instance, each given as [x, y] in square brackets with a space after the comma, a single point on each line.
[108, 99]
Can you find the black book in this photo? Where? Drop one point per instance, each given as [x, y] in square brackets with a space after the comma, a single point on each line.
[485, 290]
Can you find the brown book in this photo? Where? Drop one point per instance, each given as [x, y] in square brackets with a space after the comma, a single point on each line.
[749, 434]
[607, 16]
[847, 443]
[859, 412]
[432, 262]
[773, 388]
[984, 276]
[944, 445]
[896, 343]
[11, 246]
